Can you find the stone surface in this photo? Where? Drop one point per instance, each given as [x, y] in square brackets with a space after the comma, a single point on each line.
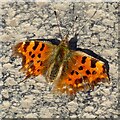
[31, 98]
[10, 82]
[31, 115]
[99, 111]
[87, 115]
[89, 109]
[72, 106]
[108, 22]
[45, 113]
[5, 93]
[27, 101]
[6, 105]
[106, 103]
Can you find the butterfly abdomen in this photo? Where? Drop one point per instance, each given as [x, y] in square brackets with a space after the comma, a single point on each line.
[58, 63]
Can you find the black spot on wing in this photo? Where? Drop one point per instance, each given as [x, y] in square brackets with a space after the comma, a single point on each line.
[85, 77]
[76, 73]
[30, 53]
[83, 59]
[39, 55]
[69, 79]
[80, 68]
[93, 63]
[72, 72]
[38, 61]
[41, 63]
[97, 80]
[94, 72]
[31, 61]
[33, 55]
[33, 67]
[77, 81]
[35, 45]
[38, 70]
[43, 45]
[88, 72]
[26, 45]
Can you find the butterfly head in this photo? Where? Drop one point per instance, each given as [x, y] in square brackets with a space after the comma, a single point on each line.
[64, 41]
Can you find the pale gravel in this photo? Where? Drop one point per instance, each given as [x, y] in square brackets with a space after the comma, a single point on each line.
[32, 98]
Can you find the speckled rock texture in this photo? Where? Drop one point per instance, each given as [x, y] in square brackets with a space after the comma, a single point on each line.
[97, 29]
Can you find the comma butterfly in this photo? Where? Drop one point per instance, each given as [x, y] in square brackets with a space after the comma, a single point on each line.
[70, 71]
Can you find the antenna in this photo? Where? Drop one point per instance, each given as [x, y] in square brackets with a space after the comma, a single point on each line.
[72, 28]
[74, 20]
[58, 22]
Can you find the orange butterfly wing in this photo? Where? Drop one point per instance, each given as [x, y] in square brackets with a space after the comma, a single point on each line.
[80, 73]
[36, 56]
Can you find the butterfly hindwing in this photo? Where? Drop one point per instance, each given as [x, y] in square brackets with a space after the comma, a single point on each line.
[36, 56]
[80, 73]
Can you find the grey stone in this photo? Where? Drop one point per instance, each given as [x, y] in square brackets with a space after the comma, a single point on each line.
[72, 106]
[5, 93]
[108, 22]
[107, 103]
[87, 115]
[10, 82]
[45, 113]
[31, 115]
[6, 105]
[89, 109]
[27, 101]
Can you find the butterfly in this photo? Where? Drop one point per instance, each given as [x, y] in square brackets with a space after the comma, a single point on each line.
[68, 70]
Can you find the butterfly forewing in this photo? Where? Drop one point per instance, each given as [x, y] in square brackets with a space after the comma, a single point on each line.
[36, 56]
[80, 73]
